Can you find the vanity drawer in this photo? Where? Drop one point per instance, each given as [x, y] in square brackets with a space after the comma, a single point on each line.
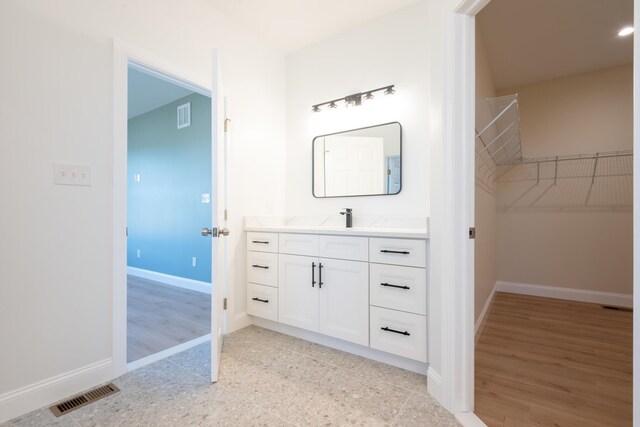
[396, 332]
[299, 244]
[262, 268]
[398, 251]
[398, 287]
[262, 301]
[345, 247]
[263, 242]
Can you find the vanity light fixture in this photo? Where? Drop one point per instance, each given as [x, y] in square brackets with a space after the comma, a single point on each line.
[354, 99]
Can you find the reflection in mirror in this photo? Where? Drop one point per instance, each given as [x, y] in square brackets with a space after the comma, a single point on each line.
[359, 162]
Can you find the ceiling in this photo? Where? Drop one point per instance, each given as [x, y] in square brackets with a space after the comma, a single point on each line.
[147, 93]
[289, 25]
[530, 41]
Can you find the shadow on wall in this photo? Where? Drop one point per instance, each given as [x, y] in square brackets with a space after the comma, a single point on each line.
[588, 184]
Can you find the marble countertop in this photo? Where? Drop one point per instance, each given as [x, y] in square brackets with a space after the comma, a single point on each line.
[398, 227]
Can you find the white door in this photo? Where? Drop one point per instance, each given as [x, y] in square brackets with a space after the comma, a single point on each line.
[218, 229]
[299, 279]
[344, 300]
[354, 165]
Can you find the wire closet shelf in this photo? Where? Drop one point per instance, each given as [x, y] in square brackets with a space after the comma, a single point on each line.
[499, 150]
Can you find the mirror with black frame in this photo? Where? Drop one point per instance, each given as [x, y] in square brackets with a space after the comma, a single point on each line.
[358, 162]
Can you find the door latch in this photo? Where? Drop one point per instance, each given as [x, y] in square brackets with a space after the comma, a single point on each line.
[472, 232]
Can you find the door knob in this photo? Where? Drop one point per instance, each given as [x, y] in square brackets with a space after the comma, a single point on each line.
[215, 232]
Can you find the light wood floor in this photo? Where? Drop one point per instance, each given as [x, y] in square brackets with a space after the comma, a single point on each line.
[549, 362]
[162, 316]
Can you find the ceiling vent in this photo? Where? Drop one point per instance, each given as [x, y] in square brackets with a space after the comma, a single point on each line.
[184, 115]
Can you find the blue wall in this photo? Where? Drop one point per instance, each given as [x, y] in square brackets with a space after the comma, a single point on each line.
[165, 210]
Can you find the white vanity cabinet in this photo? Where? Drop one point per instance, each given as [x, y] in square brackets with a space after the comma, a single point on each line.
[325, 295]
[262, 275]
[371, 291]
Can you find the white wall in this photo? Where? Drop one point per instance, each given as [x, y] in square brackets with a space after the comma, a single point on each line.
[55, 308]
[389, 50]
[547, 235]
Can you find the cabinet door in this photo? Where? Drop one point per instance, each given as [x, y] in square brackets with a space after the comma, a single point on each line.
[297, 295]
[344, 300]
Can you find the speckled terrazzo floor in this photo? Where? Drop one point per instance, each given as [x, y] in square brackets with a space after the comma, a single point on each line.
[266, 379]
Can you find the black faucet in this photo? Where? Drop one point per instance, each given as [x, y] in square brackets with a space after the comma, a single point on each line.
[349, 213]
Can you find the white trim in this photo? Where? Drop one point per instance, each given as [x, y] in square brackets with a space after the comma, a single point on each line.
[469, 419]
[54, 389]
[167, 353]
[434, 384]
[636, 216]
[452, 178]
[483, 314]
[167, 279]
[582, 295]
[359, 350]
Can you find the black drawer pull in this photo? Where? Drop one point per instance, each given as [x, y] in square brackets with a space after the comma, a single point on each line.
[386, 251]
[313, 274]
[394, 286]
[394, 331]
[260, 266]
[260, 241]
[261, 300]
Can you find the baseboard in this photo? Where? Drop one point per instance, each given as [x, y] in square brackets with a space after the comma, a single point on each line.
[167, 279]
[605, 298]
[469, 419]
[434, 384]
[239, 321]
[359, 350]
[167, 353]
[483, 314]
[35, 396]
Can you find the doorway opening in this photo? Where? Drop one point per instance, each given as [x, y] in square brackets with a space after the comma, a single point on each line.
[169, 196]
[553, 213]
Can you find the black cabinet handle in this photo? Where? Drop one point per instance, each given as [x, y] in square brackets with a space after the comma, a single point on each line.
[313, 274]
[394, 286]
[261, 300]
[260, 241]
[260, 266]
[386, 251]
[394, 331]
[320, 275]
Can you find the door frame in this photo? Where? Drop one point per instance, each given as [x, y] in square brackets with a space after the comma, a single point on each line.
[125, 55]
[452, 190]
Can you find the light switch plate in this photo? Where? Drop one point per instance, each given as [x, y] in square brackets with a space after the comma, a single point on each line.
[71, 174]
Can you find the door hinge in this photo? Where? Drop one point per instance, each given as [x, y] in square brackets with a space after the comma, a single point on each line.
[225, 215]
[224, 304]
[472, 232]
[226, 124]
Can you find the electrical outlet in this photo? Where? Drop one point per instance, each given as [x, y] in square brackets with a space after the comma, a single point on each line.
[137, 177]
[71, 174]
[138, 253]
[206, 198]
[194, 262]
